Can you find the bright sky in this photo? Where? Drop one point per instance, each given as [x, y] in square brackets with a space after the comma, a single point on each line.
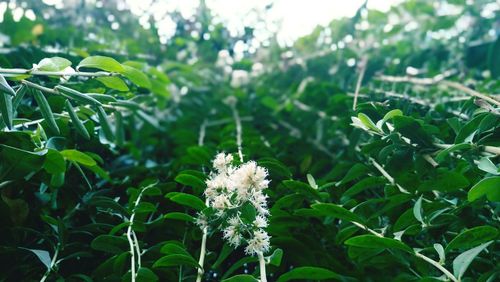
[297, 17]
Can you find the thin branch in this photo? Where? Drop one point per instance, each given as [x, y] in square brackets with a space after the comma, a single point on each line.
[262, 266]
[439, 80]
[56, 73]
[388, 176]
[53, 263]
[438, 266]
[201, 135]
[362, 70]
[239, 129]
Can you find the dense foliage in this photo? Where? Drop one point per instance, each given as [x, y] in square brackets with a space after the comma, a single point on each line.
[379, 134]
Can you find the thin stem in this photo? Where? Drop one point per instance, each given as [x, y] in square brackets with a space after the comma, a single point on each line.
[132, 240]
[440, 79]
[362, 70]
[201, 135]
[262, 266]
[368, 229]
[39, 87]
[56, 73]
[53, 263]
[201, 260]
[239, 129]
[388, 176]
[438, 266]
[427, 259]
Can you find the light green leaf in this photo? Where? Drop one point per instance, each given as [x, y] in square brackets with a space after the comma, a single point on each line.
[186, 200]
[175, 260]
[5, 87]
[375, 242]
[462, 262]
[367, 122]
[472, 237]
[79, 157]
[241, 278]
[309, 273]
[53, 64]
[489, 187]
[136, 76]
[486, 165]
[113, 82]
[417, 210]
[336, 211]
[102, 63]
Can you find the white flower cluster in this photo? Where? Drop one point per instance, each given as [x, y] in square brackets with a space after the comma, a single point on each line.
[231, 188]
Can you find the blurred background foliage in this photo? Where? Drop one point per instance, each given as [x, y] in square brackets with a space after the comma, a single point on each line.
[295, 104]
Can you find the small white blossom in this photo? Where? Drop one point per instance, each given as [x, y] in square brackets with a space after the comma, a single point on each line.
[222, 161]
[259, 243]
[221, 202]
[229, 188]
[201, 221]
[260, 222]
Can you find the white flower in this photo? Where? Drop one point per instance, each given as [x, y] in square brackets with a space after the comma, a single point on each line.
[259, 201]
[259, 243]
[201, 221]
[250, 175]
[260, 222]
[231, 233]
[222, 161]
[221, 202]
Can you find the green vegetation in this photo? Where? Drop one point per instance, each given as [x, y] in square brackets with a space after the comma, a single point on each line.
[379, 134]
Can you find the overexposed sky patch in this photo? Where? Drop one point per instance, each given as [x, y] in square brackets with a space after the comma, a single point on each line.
[290, 18]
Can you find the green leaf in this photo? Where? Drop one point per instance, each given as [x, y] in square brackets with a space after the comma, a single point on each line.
[179, 216]
[77, 123]
[241, 278]
[302, 188]
[76, 95]
[472, 237]
[174, 248]
[223, 254]
[186, 200]
[368, 122]
[53, 64]
[275, 257]
[105, 124]
[46, 111]
[19, 163]
[54, 162]
[175, 260]
[248, 213]
[136, 76]
[411, 128]
[486, 165]
[102, 63]
[367, 183]
[146, 274]
[445, 181]
[79, 157]
[375, 242]
[309, 273]
[456, 147]
[417, 210]
[110, 244]
[392, 114]
[488, 187]
[6, 109]
[190, 180]
[113, 82]
[441, 252]
[462, 262]
[5, 87]
[42, 255]
[336, 211]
